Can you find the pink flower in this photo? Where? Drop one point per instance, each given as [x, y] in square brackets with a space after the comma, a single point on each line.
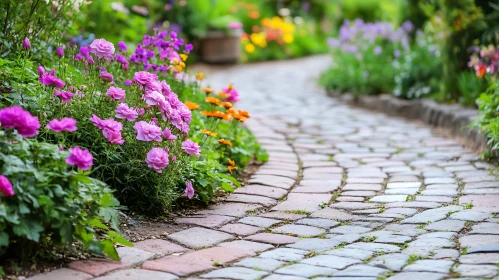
[106, 76]
[97, 121]
[140, 111]
[49, 79]
[26, 44]
[102, 48]
[168, 135]
[191, 148]
[157, 159]
[143, 78]
[116, 93]
[113, 136]
[185, 113]
[66, 124]
[235, 25]
[147, 132]
[124, 112]
[83, 159]
[15, 117]
[64, 95]
[154, 98]
[232, 93]
[6, 186]
[189, 190]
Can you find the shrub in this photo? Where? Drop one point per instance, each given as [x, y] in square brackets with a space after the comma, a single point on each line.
[419, 71]
[47, 203]
[365, 55]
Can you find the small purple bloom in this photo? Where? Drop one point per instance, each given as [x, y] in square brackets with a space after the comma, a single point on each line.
[64, 95]
[157, 159]
[66, 124]
[168, 135]
[191, 148]
[60, 51]
[6, 186]
[106, 76]
[83, 159]
[189, 190]
[26, 44]
[122, 46]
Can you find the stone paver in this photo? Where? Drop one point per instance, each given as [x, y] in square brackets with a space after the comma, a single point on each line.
[377, 197]
[62, 273]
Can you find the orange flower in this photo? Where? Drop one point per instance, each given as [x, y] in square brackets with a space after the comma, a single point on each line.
[225, 142]
[209, 133]
[232, 112]
[223, 95]
[216, 114]
[200, 76]
[183, 57]
[254, 14]
[213, 100]
[207, 90]
[244, 113]
[231, 162]
[239, 118]
[191, 105]
[227, 105]
[231, 168]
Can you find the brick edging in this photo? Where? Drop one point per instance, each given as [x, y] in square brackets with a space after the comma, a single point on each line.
[453, 118]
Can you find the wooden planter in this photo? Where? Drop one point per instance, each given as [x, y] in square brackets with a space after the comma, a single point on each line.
[219, 47]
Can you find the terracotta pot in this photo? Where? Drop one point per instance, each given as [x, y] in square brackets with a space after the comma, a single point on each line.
[220, 47]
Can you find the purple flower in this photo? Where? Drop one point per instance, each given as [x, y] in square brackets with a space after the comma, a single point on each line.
[102, 48]
[64, 95]
[143, 78]
[189, 190]
[6, 186]
[60, 51]
[154, 98]
[157, 159]
[113, 136]
[168, 135]
[147, 131]
[188, 48]
[116, 93]
[191, 148]
[173, 35]
[106, 76]
[66, 124]
[15, 117]
[378, 50]
[127, 82]
[26, 44]
[85, 52]
[49, 79]
[111, 129]
[122, 46]
[124, 112]
[83, 159]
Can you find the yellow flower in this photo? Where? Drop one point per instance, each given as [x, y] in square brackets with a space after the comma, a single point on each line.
[223, 95]
[258, 39]
[200, 76]
[213, 100]
[183, 56]
[209, 133]
[231, 162]
[231, 168]
[288, 38]
[249, 48]
[225, 142]
[191, 105]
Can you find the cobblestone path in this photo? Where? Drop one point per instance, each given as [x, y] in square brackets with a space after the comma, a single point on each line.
[346, 194]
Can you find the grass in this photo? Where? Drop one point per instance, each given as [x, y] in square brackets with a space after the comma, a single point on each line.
[300, 212]
[413, 258]
[468, 206]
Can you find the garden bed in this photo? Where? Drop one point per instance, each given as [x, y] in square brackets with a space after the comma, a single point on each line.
[454, 118]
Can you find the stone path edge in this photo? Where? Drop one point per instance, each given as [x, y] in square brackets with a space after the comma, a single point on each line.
[452, 118]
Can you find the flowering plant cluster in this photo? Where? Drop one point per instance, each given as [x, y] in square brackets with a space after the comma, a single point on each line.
[366, 55]
[273, 29]
[485, 61]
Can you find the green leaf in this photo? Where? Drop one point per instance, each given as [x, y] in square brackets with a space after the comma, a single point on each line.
[109, 249]
[30, 229]
[232, 179]
[226, 187]
[4, 239]
[118, 238]
[96, 223]
[66, 231]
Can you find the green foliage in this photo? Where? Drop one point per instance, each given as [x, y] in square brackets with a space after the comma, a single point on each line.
[52, 205]
[419, 71]
[488, 121]
[470, 87]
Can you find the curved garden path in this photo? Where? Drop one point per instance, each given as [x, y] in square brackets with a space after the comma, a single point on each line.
[346, 194]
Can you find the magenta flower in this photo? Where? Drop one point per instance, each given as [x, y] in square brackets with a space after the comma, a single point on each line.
[49, 79]
[26, 44]
[191, 148]
[157, 159]
[60, 51]
[127, 82]
[143, 78]
[189, 190]
[113, 136]
[6, 186]
[64, 95]
[232, 93]
[111, 129]
[168, 135]
[154, 98]
[83, 159]
[147, 132]
[66, 124]
[15, 117]
[97, 121]
[122, 46]
[116, 93]
[106, 76]
[188, 48]
[124, 112]
[102, 48]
